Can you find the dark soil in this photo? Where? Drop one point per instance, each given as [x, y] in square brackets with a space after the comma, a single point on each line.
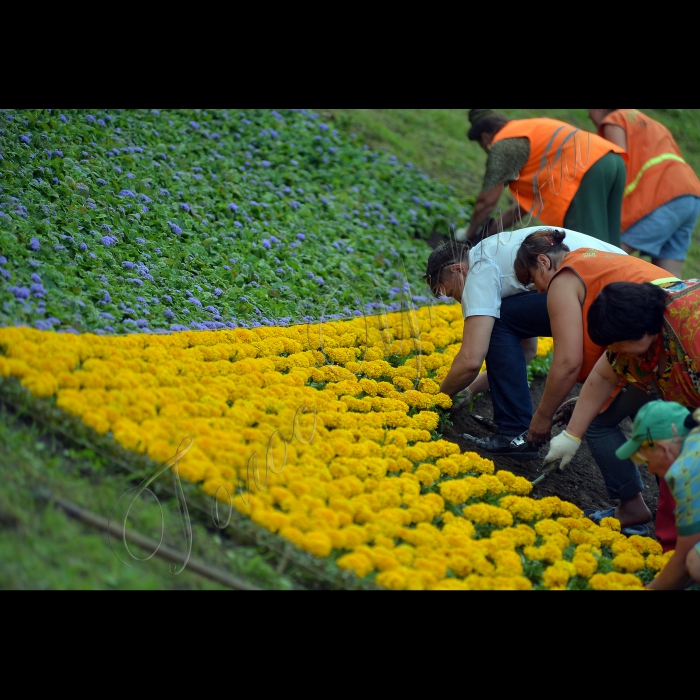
[580, 482]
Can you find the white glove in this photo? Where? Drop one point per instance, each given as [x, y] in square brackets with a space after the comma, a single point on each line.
[458, 400]
[564, 446]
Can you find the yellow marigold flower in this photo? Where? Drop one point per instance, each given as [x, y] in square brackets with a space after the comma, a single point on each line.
[402, 383]
[612, 523]
[360, 564]
[513, 483]
[615, 581]
[395, 579]
[549, 527]
[583, 537]
[558, 574]
[318, 543]
[485, 513]
[449, 584]
[428, 386]
[369, 386]
[629, 561]
[522, 508]
[544, 346]
[427, 474]
[442, 401]
[655, 562]
[547, 552]
[585, 563]
[520, 535]
[426, 420]
[508, 563]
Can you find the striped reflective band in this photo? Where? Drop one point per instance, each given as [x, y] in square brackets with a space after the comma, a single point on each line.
[647, 165]
[665, 280]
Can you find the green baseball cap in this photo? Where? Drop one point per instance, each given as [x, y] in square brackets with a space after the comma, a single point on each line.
[653, 421]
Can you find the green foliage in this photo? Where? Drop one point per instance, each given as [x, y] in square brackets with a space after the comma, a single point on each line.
[140, 219]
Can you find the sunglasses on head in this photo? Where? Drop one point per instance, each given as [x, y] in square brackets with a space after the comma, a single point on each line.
[429, 278]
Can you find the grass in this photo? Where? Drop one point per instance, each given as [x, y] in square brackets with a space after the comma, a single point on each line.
[435, 141]
[43, 548]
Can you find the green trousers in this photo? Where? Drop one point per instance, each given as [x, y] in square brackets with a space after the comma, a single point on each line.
[597, 205]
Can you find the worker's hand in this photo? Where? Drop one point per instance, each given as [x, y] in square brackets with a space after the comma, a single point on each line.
[540, 430]
[564, 446]
[564, 412]
[460, 400]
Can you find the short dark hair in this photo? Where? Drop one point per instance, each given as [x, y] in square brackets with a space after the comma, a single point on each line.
[626, 311]
[485, 121]
[445, 253]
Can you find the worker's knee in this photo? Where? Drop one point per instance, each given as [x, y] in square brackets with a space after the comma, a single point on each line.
[692, 562]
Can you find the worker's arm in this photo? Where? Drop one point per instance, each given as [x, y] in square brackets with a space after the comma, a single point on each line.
[485, 203]
[481, 383]
[564, 306]
[467, 362]
[616, 134]
[674, 576]
[595, 392]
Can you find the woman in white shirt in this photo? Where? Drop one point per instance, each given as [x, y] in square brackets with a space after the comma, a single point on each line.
[502, 320]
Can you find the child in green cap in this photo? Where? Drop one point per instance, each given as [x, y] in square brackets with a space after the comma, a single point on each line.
[665, 437]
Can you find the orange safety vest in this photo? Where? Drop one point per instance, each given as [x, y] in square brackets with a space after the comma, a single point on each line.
[656, 172]
[560, 155]
[595, 269]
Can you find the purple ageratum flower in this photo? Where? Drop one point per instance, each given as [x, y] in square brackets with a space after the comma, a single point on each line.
[109, 241]
[127, 193]
[226, 267]
[63, 118]
[135, 280]
[118, 169]
[218, 292]
[301, 236]
[175, 229]
[101, 122]
[140, 241]
[194, 124]
[427, 204]
[128, 265]
[90, 118]
[34, 244]
[233, 207]
[195, 301]
[107, 315]
[266, 243]
[24, 138]
[212, 310]
[58, 154]
[144, 198]
[163, 192]
[34, 277]
[130, 176]
[169, 314]
[93, 255]
[142, 323]
[21, 293]
[274, 239]
[265, 163]
[185, 207]
[3, 260]
[157, 250]
[168, 298]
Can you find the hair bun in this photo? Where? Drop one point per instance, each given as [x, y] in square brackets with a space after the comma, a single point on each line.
[558, 236]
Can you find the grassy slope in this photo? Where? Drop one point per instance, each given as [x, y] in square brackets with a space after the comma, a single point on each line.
[42, 548]
[435, 140]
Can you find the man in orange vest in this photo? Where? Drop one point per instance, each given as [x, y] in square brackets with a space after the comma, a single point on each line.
[661, 200]
[557, 173]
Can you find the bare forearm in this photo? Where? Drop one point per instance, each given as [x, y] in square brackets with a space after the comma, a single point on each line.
[509, 216]
[560, 381]
[481, 213]
[461, 375]
[674, 575]
[594, 394]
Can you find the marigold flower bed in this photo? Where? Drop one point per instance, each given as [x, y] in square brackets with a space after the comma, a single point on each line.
[327, 435]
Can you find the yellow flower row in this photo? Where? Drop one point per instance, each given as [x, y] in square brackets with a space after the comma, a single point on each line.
[322, 434]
